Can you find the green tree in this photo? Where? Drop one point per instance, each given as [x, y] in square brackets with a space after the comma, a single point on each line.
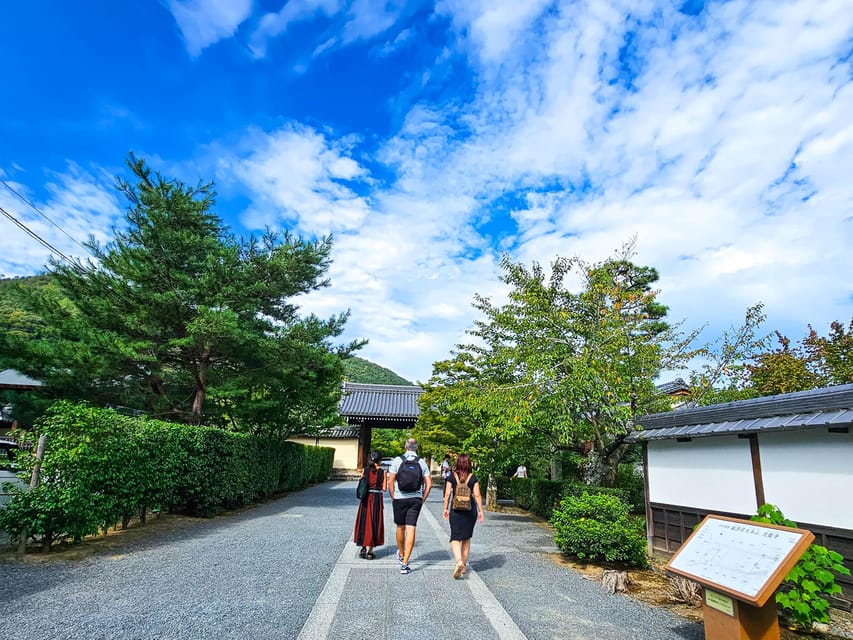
[178, 317]
[724, 374]
[451, 421]
[742, 365]
[833, 354]
[569, 367]
[784, 370]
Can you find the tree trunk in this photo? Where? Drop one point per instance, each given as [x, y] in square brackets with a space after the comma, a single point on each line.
[492, 494]
[615, 581]
[602, 466]
[556, 464]
[201, 387]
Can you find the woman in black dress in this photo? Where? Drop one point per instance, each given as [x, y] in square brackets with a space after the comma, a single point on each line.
[462, 522]
[369, 521]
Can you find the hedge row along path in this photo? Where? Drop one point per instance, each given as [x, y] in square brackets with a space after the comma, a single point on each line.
[288, 569]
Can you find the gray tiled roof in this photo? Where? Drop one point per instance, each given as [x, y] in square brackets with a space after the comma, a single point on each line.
[379, 401]
[826, 407]
[673, 386]
[12, 378]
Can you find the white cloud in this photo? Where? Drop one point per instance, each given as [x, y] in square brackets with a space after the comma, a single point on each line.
[494, 26]
[274, 24]
[369, 18]
[296, 174]
[722, 142]
[206, 22]
[79, 205]
[355, 20]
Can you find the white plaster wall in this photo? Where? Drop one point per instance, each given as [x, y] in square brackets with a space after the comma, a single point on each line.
[809, 475]
[713, 473]
[346, 450]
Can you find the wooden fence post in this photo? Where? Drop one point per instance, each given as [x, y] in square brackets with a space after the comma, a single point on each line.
[34, 481]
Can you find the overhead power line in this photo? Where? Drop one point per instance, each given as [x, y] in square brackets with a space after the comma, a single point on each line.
[75, 265]
[35, 236]
[40, 212]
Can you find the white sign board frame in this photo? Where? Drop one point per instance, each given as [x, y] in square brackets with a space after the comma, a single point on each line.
[744, 559]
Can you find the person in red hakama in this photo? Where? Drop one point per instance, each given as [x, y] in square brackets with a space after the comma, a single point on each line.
[370, 520]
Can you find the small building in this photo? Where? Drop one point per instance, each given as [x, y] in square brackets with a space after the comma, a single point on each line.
[344, 440]
[793, 450]
[677, 390]
[365, 407]
[11, 380]
[378, 406]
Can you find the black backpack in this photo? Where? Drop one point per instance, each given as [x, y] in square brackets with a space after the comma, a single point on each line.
[410, 475]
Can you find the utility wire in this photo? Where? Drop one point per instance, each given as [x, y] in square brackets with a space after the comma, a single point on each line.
[40, 212]
[35, 236]
[75, 265]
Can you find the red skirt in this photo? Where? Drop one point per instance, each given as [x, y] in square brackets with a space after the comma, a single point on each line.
[370, 521]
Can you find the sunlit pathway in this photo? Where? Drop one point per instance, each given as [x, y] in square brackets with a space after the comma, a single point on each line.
[289, 569]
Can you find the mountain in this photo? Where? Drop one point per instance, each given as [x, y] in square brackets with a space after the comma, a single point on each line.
[361, 370]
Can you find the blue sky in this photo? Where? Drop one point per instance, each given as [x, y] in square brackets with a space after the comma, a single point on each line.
[429, 137]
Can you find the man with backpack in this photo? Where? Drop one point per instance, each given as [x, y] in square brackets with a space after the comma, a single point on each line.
[409, 484]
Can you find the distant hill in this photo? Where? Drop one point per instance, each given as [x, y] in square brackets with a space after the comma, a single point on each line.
[367, 372]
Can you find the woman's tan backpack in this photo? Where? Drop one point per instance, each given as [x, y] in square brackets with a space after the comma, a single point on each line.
[461, 496]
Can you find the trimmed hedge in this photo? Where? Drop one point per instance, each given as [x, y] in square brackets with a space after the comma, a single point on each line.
[599, 528]
[542, 496]
[502, 483]
[101, 468]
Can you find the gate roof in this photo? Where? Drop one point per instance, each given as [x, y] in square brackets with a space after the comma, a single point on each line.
[396, 405]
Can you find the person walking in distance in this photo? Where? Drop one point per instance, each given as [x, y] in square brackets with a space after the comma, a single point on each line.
[369, 523]
[409, 484]
[445, 467]
[463, 506]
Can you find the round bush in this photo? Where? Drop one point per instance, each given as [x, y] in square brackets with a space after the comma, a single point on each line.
[598, 527]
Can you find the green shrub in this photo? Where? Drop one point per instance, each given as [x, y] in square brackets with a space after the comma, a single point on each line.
[101, 468]
[536, 495]
[579, 489]
[802, 595]
[541, 496]
[599, 527]
[630, 480]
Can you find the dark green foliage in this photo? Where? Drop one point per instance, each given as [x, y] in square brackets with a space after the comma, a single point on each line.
[360, 370]
[631, 481]
[536, 495]
[177, 317]
[802, 597]
[503, 484]
[599, 528]
[101, 468]
[541, 496]
[391, 442]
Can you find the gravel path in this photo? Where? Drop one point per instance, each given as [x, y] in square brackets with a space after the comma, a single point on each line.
[261, 573]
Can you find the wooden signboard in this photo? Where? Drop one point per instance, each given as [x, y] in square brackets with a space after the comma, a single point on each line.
[740, 564]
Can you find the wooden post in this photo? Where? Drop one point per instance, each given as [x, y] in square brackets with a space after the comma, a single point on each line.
[740, 564]
[727, 617]
[34, 481]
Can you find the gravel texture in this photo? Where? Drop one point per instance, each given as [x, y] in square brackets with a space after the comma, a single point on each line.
[259, 573]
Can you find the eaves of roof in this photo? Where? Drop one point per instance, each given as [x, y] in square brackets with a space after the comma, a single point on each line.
[379, 401]
[11, 379]
[826, 407]
[835, 418]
